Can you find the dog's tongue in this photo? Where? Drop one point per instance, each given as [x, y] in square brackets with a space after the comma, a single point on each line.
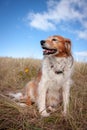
[46, 51]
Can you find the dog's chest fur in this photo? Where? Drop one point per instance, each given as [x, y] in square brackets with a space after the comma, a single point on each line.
[56, 71]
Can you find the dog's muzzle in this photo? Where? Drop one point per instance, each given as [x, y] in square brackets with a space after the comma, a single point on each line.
[46, 50]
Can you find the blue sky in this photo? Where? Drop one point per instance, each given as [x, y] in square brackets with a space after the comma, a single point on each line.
[24, 23]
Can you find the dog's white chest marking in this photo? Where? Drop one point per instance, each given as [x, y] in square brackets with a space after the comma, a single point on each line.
[50, 68]
[52, 81]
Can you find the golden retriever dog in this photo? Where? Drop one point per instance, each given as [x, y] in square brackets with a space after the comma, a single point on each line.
[55, 74]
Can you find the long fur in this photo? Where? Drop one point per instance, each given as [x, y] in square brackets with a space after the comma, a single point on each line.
[55, 74]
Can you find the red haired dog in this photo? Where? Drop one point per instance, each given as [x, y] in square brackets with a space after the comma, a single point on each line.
[55, 75]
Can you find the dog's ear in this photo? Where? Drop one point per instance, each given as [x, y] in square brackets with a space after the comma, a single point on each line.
[68, 44]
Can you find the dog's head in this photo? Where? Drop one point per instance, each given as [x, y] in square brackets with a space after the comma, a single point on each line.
[57, 46]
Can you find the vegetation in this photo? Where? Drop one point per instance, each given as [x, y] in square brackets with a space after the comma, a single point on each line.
[14, 74]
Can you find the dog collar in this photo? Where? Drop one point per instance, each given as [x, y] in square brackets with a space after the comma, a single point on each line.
[57, 72]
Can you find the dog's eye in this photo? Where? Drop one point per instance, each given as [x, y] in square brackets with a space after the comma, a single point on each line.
[54, 39]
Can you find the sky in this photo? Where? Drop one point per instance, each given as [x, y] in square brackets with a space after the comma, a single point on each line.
[23, 23]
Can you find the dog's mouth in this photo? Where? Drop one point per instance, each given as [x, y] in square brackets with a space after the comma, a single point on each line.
[48, 51]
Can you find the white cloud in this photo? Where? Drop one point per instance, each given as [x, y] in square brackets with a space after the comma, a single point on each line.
[82, 34]
[83, 53]
[58, 11]
[40, 22]
[81, 56]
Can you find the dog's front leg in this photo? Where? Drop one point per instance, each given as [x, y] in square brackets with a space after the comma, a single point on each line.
[66, 93]
[42, 100]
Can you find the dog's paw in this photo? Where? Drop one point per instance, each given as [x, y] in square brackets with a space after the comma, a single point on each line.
[64, 114]
[45, 114]
[52, 109]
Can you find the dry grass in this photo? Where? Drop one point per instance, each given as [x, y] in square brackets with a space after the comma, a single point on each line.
[14, 74]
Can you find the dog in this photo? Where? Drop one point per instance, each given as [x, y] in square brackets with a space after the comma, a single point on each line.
[55, 75]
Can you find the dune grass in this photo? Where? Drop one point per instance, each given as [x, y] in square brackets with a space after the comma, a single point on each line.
[14, 74]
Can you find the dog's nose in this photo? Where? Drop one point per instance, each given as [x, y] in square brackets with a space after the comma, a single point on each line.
[42, 42]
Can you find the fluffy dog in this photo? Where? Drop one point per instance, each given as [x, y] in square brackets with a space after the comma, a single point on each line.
[55, 75]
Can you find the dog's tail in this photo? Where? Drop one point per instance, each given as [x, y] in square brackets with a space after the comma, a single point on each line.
[19, 98]
[25, 95]
[16, 96]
